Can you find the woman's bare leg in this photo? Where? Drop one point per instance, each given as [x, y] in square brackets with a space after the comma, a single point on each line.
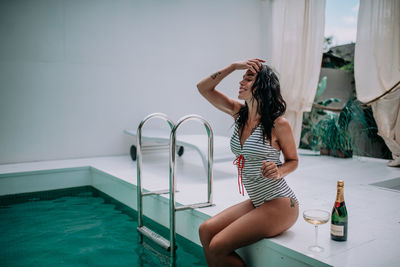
[270, 219]
[215, 224]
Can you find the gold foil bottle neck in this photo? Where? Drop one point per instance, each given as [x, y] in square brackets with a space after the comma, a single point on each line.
[339, 195]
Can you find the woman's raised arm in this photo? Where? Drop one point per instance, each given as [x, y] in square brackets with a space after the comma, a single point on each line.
[218, 99]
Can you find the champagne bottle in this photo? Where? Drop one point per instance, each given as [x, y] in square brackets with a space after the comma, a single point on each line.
[339, 216]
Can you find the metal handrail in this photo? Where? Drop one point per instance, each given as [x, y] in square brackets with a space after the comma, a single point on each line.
[172, 147]
[139, 163]
[143, 230]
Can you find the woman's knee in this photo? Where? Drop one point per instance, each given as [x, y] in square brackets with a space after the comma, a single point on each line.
[218, 246]
[205, 231]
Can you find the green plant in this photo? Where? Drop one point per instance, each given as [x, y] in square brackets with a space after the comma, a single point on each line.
[308, 139]
[342, 132]
[337, 133]
[331, 133]
[348, 67]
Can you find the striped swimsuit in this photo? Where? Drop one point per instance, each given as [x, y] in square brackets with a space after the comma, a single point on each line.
[249, 160]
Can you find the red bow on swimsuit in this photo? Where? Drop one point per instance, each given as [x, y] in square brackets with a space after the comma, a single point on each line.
[239, 161]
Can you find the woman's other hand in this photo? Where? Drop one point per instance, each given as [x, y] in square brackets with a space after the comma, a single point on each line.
[270, 170]
[253, 65]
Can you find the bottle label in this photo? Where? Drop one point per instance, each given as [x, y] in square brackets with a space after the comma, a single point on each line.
[337, 230]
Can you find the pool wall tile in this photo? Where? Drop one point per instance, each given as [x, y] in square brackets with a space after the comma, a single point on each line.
[33, 181]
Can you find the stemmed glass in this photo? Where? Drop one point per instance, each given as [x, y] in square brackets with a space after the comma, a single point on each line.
[316, 217]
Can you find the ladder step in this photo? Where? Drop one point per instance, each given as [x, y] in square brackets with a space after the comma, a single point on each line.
[194, 206]
[164, 243]
[159, 192]
[152, 148]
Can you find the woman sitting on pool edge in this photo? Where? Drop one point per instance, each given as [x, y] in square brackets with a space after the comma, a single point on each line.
[260, 134]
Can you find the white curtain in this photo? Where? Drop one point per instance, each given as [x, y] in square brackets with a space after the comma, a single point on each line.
[377, 66]
[297, 28]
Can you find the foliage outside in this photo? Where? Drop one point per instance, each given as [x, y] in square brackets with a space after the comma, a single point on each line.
[337, 133]
[348, 67]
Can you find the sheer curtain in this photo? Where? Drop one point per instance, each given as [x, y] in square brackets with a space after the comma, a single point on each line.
[377, 67]
[297, 28]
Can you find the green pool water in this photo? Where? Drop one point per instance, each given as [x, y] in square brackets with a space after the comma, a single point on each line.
[79, 230]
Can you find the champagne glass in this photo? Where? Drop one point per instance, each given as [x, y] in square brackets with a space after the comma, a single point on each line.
[316, 217]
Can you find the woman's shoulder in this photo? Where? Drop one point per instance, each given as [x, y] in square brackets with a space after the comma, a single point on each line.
[236, 111]
[282, 124]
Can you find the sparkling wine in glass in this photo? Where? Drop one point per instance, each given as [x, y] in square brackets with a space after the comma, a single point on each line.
[316, 217]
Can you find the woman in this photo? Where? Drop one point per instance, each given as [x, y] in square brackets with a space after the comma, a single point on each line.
[260, 134]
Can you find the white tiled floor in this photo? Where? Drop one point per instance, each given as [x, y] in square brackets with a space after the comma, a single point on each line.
[374, 212]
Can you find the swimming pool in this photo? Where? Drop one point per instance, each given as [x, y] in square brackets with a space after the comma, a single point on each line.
[116, 176]
[80, 227]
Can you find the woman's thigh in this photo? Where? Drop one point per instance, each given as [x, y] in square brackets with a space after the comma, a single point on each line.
[270, 219]
[282, 214]
[218, 222]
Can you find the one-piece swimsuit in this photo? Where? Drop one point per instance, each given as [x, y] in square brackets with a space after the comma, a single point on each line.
[249, 161]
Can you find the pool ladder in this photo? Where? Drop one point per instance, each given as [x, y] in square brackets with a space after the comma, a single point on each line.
[169, 245]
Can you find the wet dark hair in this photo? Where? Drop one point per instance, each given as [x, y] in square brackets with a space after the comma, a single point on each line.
[266, 90]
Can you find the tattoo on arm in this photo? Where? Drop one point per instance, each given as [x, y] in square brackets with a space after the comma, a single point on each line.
[292, 203]
[215, 75]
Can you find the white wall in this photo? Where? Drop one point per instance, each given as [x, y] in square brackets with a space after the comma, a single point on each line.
[74, 74]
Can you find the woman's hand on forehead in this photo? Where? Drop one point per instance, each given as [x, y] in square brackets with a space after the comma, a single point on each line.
[253, 65]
